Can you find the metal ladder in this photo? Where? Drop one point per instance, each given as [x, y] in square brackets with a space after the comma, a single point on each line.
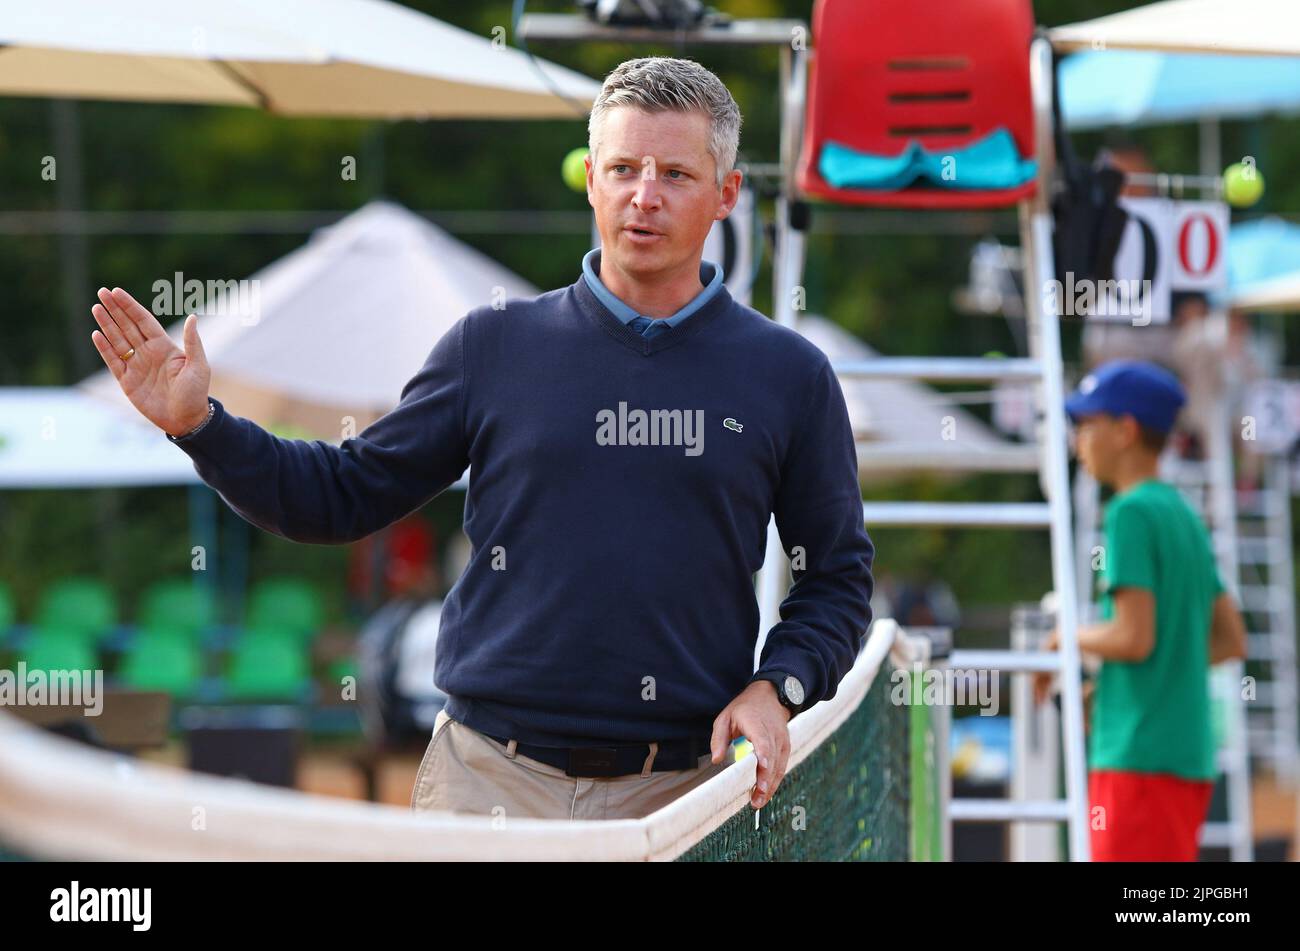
[1205, 493]
[1268, 604]
[1043, 368]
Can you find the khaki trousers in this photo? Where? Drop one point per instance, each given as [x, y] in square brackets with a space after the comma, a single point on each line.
[464, 771]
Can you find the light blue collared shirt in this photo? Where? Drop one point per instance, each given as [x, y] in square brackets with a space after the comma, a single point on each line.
[710, 277]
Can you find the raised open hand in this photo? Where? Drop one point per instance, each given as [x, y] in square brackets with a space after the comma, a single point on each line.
[168, 385]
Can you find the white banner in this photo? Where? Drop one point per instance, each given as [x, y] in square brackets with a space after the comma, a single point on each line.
[1168, 247]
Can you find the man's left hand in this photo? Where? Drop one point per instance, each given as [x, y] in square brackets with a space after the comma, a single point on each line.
[759, 716]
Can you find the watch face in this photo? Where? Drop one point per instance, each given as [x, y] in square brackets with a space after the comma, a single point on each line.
[794, 690]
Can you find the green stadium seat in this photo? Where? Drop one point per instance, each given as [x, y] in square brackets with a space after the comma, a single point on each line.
[177, 605]
[52, 648]
[84, 605]
[163, 659]
[286, 604]
[268, 668]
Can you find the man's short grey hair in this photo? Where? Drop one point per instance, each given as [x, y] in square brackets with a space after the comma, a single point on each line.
[661, 83]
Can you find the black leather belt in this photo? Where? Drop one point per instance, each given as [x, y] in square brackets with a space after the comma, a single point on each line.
[606, 761]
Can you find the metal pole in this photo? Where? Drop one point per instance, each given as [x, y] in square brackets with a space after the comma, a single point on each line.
[1036, 745]
[1211, 148]
[787, 270]
[1281, 573]
[1228, 675]
[1036, 228]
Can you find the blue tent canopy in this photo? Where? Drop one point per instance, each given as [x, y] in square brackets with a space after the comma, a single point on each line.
[1261, 250]
[1133, 87]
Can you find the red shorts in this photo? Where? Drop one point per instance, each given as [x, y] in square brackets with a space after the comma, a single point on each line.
[1146, 817]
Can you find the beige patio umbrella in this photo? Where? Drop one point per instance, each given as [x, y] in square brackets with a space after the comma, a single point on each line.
[357, 58]
[1247, 27]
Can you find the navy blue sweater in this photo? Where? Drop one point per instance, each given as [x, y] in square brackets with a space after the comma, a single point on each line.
[620, 492]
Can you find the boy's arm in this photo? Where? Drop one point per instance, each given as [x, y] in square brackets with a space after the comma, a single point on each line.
[1130, 635]
[1227, 630]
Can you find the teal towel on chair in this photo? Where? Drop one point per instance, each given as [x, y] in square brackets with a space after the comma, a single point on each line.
[987, 163]
[843, 167]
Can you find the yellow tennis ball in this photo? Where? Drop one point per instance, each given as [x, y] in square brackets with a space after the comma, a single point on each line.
[574, 171]
[743, 749]
[1243, 185]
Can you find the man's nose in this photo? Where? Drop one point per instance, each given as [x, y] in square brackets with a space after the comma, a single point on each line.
[647, 196]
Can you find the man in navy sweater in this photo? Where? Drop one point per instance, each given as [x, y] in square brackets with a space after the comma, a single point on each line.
[629, 438]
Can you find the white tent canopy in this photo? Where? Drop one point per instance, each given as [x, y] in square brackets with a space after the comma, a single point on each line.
[362, 58]
[55, 437]
[342, 323]
[1246, 27]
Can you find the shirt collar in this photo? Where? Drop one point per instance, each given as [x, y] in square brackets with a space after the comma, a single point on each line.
[710, 277]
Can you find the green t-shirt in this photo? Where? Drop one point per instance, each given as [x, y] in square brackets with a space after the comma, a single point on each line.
[1154, 716]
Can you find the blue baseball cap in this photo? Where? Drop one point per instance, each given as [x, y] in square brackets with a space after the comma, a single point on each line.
[1149, 393]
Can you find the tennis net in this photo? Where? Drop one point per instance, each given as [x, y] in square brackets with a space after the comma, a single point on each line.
[845, 797]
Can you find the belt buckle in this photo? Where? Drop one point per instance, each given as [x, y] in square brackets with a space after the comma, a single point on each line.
[591, 761]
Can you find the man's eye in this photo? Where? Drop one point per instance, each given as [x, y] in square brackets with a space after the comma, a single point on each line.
[674, 171]
[617, 169]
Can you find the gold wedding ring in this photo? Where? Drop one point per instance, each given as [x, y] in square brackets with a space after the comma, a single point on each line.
[128, 355]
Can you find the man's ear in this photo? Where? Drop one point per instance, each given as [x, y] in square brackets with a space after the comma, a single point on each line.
[730, 194]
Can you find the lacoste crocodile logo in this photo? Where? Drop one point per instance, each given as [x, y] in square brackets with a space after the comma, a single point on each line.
[730, 423]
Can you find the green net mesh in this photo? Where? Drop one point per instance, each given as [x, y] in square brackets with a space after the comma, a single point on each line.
[847, 801]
